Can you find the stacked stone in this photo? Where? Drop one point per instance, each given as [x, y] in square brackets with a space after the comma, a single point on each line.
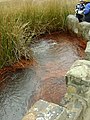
[77, 99]
[78, 77]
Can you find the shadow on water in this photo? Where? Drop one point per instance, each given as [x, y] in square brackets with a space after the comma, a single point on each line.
[54, 55]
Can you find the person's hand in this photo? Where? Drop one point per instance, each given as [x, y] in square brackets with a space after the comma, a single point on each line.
[76, 10]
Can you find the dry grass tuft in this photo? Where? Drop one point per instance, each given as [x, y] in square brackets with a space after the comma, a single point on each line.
[22, 20]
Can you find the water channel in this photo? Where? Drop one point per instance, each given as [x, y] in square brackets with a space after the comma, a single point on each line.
[54, 54]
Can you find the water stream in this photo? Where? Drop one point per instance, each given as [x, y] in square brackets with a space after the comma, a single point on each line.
[54, 54]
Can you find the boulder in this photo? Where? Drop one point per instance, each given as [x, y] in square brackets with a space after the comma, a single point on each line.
[79, 28]
[72, 23]
[79, 73]
[84, 30]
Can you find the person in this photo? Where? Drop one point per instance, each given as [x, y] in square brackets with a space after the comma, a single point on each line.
[87, 12]
[79, 9]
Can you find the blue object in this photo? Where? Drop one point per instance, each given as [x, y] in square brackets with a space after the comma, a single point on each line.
[87, 9]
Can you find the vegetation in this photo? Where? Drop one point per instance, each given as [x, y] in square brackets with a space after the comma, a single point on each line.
[21, 21]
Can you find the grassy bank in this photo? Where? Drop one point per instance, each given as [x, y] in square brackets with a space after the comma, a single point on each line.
[20, 21]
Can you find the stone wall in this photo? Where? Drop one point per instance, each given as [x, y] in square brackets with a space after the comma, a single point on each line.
[76, 103]
[81, 29]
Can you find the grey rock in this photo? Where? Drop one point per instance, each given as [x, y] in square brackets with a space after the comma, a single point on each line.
[43, 110]
[87, 51]
[72, 23]
[79, 28]
[79, 73]
[84, 30]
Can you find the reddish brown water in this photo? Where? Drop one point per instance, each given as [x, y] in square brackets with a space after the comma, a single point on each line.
[54, 54]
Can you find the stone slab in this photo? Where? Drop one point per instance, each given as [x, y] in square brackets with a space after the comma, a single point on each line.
[43, 110]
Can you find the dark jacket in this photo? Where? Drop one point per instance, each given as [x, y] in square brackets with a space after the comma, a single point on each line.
[79, 8]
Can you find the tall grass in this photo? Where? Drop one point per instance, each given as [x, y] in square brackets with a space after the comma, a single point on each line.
[20, 21]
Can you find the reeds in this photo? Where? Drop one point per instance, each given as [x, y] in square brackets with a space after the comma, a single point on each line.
[20, 21]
